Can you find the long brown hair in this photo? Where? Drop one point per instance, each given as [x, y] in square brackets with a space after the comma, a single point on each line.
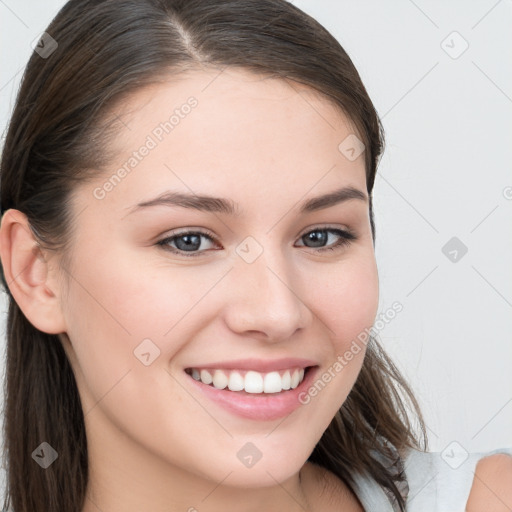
[59, 131]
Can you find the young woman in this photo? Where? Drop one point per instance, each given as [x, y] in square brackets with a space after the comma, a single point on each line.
[187, 242]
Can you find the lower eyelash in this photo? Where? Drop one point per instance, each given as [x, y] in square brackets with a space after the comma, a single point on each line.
[346, 238]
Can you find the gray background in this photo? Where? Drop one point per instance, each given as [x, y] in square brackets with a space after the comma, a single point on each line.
[445, 173]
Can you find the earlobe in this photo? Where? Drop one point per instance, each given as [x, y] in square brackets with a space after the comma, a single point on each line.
[27, 274]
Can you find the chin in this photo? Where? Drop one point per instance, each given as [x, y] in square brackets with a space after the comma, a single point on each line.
[262, 476]
[274, 465]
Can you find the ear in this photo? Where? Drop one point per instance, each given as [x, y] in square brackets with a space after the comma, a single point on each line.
[28, 276]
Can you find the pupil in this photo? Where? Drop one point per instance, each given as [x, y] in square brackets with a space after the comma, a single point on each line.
[319, 240]
[190, 242]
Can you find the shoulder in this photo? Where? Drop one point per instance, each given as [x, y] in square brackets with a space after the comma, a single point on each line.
[491, 490]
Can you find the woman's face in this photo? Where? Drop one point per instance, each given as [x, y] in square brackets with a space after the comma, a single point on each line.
[247, 290]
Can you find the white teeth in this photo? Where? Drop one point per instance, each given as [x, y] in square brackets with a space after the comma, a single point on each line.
[206, 377]
[286, 380]
[220, 379]
[295, 379]
[272, 383]
[236, 382]
[252, 381]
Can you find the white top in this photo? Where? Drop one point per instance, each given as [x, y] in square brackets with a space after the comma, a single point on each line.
[438, 481]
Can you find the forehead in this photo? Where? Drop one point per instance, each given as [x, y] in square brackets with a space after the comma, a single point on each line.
[233, 130]
[227, 101]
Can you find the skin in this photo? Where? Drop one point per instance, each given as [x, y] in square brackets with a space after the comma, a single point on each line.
[492, 486]
[155, 442]
[149, 434]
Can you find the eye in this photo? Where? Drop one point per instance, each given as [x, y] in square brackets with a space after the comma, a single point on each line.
[320, 236]
[188, 243]
[185, 242]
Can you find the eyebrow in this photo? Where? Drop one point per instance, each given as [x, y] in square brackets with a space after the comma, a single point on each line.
[227, 206]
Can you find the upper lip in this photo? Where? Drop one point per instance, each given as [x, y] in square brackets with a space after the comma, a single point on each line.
[259, 365]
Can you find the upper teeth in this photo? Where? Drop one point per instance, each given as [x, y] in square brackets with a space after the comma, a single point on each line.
[250, 381]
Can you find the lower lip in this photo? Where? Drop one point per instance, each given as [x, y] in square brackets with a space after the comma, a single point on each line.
[270, 406]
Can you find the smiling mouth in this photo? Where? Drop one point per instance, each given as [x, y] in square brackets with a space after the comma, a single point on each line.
[249, 381]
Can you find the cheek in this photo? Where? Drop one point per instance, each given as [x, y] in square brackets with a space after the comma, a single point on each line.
[116, 314]
[346, 298]
[121, 299]
[110, 310]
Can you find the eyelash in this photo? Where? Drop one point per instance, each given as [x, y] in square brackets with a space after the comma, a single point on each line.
[346, 238]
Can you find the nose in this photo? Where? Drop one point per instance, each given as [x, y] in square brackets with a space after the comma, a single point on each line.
[265, 300]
